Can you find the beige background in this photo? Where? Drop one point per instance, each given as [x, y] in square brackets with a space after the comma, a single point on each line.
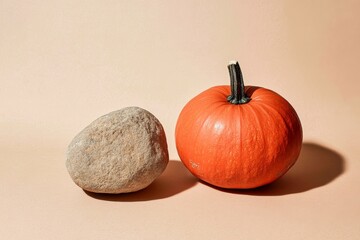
[65, 63]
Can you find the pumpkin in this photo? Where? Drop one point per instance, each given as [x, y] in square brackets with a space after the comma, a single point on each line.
[236, 136]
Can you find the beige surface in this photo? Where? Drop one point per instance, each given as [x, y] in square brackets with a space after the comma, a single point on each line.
[65, 63]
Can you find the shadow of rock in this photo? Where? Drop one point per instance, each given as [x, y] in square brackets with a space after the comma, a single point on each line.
[174, 180]
[317, 166]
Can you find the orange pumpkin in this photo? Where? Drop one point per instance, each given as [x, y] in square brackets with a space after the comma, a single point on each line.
[238, 137]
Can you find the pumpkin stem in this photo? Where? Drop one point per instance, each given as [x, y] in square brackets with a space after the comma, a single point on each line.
[238, 95]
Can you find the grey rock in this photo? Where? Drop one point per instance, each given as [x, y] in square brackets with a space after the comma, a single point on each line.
[123, 151]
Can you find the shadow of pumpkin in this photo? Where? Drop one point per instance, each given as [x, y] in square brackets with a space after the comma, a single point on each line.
[316, 166]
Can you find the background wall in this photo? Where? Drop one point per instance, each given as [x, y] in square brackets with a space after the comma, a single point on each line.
[65, 63]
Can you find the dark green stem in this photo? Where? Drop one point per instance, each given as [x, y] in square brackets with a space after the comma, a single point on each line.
[238, 95]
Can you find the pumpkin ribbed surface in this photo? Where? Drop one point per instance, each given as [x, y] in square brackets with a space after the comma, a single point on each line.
[238, 145]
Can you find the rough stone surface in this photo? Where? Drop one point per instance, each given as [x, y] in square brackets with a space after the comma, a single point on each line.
[123, 151]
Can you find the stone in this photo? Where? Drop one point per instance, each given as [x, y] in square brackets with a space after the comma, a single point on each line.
[123, 151]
